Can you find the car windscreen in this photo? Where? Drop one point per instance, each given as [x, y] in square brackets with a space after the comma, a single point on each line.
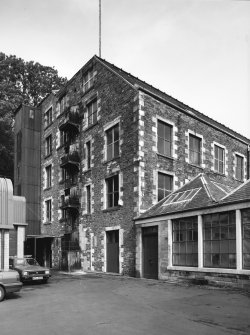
[31, 261]
[20, 261]
[26, 261]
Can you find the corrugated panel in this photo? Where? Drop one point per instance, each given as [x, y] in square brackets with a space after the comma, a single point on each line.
[19, 209]
[13, 242]
[6, 202]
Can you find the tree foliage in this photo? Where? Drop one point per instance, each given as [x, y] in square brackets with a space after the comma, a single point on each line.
[20, 82]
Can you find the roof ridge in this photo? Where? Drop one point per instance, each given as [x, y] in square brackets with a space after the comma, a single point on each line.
[205, 184]
[218, 185]
[236, 189]
[184, 106]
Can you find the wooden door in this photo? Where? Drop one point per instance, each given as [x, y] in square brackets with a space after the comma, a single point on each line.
[113, 251]
[150, 252]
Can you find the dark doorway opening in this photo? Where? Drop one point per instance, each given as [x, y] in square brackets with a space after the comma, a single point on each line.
[113, 251]
[39, 247]
[150, 252]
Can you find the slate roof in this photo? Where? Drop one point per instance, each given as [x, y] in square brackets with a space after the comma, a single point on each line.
[138, 83]
[241, 193]
[209, 192]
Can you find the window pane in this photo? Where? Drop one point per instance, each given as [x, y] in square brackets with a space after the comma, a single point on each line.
[116, 133]
[232, 260]
[168, 182]
[207, 247]
[215, 260]
[167, 148]
[185, 251]
[223, 242]
[245, 216]
[161, 146]
[215, 233]
[110, 200]
[221, 167]
[116, 149]
[109, 152]
[207, 260]
[160, 180]
[224, 261]
[224, 246]
[164, 138]
[168, 132]
[116, 183]
[116, 198]
[220, 154]
[216, 152]
[110, 185]
[232, 246]
[246, 246]
[195, 157]
[246, 261]
[94, 117]
[160, 129]
[109, 137]
[246, 231]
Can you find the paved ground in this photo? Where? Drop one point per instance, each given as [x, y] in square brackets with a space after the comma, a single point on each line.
[104, 304]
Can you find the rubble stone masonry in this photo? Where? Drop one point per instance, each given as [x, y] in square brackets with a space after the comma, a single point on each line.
[137, 164]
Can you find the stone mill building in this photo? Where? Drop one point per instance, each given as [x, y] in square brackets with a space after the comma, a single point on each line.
[110, 147]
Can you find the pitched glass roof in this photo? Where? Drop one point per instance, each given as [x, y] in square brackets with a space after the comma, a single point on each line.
[181, 196]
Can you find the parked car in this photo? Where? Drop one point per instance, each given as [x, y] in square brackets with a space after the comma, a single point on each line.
[9, 282]
[29, 269]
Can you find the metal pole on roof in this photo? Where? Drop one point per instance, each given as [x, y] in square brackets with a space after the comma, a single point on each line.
[100, 30]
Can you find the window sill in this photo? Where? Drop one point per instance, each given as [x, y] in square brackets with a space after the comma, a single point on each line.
[61, 113]
[91, 126]
[88, 90]
[219, 173]
[239, 180]
[60, 147]
[47, 223]
[209, 270]
[45, 128]
[165, 156]
[111, 160]
[111, 209]
[47, 156]
[196, 165]
[47, 188]
[86, 171]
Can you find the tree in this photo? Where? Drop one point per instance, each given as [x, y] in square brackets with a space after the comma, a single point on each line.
[20, 82]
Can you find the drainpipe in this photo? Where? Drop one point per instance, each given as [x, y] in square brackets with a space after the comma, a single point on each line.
[248, 161]
[35, 248]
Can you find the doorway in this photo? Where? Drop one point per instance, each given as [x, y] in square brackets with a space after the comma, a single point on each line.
[150, 252]
[112, 238]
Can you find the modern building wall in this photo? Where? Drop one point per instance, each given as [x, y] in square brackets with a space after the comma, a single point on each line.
[27, 163]
[12, 223]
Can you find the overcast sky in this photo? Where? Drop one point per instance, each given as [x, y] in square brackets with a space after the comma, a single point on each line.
[198, 51]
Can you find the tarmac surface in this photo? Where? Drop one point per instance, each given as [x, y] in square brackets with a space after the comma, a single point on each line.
[89, 303]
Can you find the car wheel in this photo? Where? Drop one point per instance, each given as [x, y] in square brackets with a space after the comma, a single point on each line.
[44, 281]
[2, 293]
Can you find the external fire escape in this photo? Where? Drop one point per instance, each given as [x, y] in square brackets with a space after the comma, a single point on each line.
[70, 163]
